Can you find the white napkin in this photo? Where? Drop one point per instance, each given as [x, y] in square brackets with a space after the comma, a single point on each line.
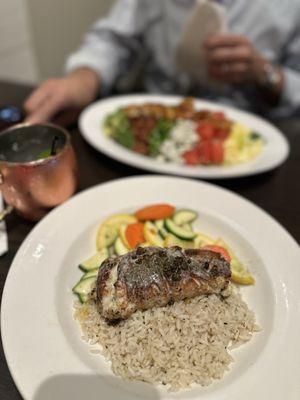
[206, 19]
[3, 234]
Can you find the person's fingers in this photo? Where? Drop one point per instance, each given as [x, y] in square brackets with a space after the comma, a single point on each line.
[39, 96]
[224, 40]
[230, 73]
[35, 99]
[217, 71]
[46, 110]
[230, 78]
[228, 68]
[229, 54]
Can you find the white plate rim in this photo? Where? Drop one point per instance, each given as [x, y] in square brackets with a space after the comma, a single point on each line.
[90, 128]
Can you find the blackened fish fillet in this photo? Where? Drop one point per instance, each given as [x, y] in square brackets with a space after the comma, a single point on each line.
[154, 277]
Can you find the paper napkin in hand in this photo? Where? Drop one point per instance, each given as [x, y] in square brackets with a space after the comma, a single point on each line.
[206, 19]
[3, 234]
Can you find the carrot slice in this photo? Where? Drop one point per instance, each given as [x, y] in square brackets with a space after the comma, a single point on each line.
[218, 249]
[134, 234]
[154, 212]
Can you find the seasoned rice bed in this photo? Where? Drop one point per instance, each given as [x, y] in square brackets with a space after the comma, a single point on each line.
[176, 345]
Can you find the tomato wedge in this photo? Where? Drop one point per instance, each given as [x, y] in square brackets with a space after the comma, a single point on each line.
[221, 134]
[154, 212]
[191, 157]
[216, 152]
[205, 130]
[218, 249]
[134, 234]
[204, 149]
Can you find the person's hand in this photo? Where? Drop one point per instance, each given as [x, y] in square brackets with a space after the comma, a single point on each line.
[232, 59]
[76, 90]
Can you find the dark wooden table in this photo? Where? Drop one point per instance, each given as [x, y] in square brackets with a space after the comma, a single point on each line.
[277, 192]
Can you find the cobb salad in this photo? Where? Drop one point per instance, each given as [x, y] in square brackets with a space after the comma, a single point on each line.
[183, 135]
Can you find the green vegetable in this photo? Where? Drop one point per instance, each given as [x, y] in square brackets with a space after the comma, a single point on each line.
[160, 226]
[83, 288]
[120, 248]
[117, 125]
[90, 274]
[125, 138]
[178, 231]
[159, 134]
[254, 136]
[184, 216]
[116, 120]
[44, 154]
[95, 261]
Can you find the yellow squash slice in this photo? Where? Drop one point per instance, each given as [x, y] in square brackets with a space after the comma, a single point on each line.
[120, 248]
[202, 240]
[121, 231]
[151, 235]
[145, 244]
[239, 273]
[108, 230]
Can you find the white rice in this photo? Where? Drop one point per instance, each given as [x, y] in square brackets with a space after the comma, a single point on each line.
[178, 345]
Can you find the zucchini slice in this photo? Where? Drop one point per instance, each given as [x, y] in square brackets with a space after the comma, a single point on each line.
[160, 226]
[120, 247]
[83, 288]
[182, 217]
[151, 234]
[178, 231]
[95, 261]
[111, 251]
[188, 227]
[172, 240]
[90, 274]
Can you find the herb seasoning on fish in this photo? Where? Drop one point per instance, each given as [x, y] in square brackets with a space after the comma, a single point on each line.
[154, 277]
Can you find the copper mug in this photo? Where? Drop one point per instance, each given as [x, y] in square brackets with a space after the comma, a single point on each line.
[32, 180]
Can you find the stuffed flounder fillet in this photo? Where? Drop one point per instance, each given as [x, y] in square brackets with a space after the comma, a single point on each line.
[154, 277]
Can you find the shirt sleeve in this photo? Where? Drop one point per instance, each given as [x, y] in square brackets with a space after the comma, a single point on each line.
[112, 42]
[290, 100]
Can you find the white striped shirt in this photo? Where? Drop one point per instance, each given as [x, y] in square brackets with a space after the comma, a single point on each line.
[148, 31]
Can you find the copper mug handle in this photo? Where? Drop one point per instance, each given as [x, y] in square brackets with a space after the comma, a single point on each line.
[7, 210]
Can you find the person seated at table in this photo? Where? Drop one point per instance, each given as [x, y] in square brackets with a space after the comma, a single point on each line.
[257, 64]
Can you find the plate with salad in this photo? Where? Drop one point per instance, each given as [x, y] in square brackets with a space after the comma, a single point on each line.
[183, 136]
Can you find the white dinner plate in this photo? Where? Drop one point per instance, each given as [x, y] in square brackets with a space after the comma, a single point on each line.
[274, 153]
[42, 343]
